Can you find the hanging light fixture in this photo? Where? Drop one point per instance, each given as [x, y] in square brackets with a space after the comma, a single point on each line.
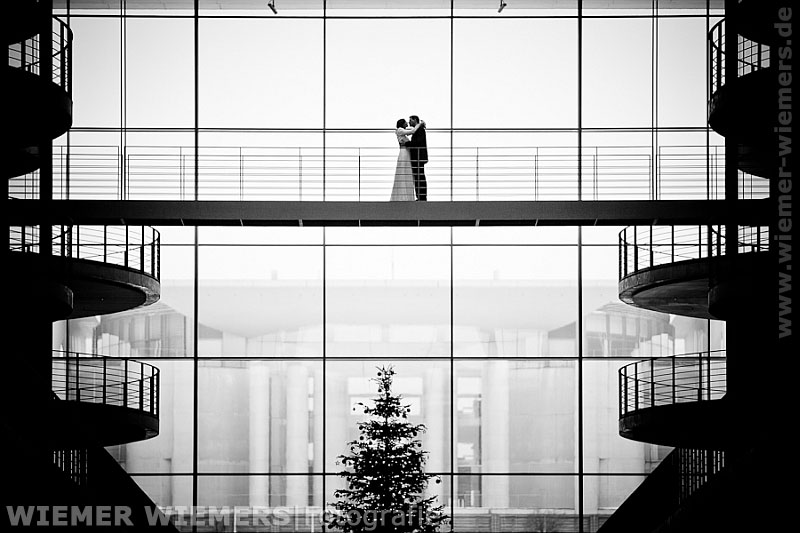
[271, 5]
[502, 6]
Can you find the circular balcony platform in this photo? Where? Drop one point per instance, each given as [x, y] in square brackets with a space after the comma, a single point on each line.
[757, 18]
[704, 425]
[80, 424]
[92, 401]
[37, 96]
[23, 13]
[746, 109]
[106, 269]
[19, 160]
[102, 401]
[33, 108]
[748, 113]
[96, 288]
[676, 269]
[676, 401]
[692, 288]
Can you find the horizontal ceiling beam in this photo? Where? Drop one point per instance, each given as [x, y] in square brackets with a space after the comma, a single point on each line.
[485, 213]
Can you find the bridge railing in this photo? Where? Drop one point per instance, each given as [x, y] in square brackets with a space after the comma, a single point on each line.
[367, 174]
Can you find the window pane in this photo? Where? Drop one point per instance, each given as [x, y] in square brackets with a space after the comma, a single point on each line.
[515, 235]
[602, 495]
[387, 235]
[424, 385]
[686, 168]
[168, 492]
[159, 73]
[260, 417]
[159, 165]
[604, 450]
[516, 503]
[260, 165]
[682, 72]
[405, 70]
[617, 165]
[617, 77]
[257, 301]
[612, 328]
[388, 300]
[256, 8]
[248, 80]
[516, 416]
[170, 452]
[515, 73]
[280, 501]
[89, 167]
[96, 72]
[515, 165]
[162, 329]
[515, 301]
[255, 236]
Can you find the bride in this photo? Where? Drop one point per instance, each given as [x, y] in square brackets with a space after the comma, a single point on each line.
[403, 189]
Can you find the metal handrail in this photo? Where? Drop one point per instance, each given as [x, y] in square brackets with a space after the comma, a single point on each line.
[26, 55]
[115, 381]
[752, 56]
[643, 247]
[134, 247]
[659, 381]
[309, 173]
[696, 468]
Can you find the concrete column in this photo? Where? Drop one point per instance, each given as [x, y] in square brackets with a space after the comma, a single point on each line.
[318, 436]
[60, 335]
[259, 418]
[537, 343]
[81, 335]
[297, 435]
[337, 418]
[233, 345]
[454, 444]
[495, 433]
[182, 435]
[434, 397]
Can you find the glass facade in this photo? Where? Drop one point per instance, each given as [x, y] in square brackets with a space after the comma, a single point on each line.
[506, 341]
[507, 352]
[564, 101]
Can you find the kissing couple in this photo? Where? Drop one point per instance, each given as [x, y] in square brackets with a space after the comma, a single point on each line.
[409, 175]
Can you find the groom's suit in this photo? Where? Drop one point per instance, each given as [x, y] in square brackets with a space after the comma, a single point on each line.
[418, 152]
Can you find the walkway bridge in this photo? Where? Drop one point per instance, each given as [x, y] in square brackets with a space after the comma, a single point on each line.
[351, 186]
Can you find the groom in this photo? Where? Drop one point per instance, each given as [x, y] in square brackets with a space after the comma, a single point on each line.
[418, 152]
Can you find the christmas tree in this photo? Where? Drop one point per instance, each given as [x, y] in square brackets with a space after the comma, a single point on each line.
[385, 472]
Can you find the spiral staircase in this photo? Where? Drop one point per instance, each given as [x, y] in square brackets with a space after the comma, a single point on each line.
[712, 407]
[63, 408]
[71, 405]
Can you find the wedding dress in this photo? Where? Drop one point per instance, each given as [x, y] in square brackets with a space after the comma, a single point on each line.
[403, 189]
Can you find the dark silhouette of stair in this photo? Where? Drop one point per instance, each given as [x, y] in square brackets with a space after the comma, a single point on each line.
[37, 83]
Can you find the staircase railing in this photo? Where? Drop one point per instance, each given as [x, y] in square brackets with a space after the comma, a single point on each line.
[26, 55]
[674, 481]
[643, 247]
[753, 56]
[115, 381]
[659, 381]
[135, 247]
